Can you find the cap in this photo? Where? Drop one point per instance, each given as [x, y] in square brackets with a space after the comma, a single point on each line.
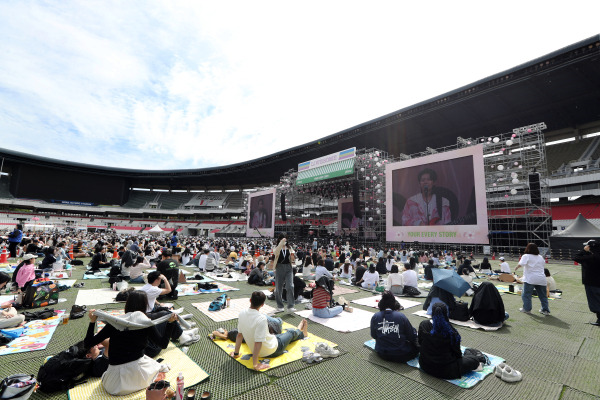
[501, 258]
[29, 256]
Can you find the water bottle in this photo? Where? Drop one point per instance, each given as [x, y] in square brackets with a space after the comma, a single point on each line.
[179, 393]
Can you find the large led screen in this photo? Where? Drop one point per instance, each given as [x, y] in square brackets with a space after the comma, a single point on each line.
[438, 198]
[261, 214]
[347, 221]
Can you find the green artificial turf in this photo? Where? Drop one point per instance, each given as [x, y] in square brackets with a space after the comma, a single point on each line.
[558, 355]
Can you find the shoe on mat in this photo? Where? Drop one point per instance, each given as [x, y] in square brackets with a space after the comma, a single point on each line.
[326, 350]
[280, 309]
[292, 309]
[544, 312]
[524, 310]
[342, 301]
[499, 369]
[511, 375]
[186, 340]
[191, 332]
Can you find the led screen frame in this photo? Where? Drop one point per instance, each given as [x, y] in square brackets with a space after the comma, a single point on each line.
[456, 185]
[260, 221]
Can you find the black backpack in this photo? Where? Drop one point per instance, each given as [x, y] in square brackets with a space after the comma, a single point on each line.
[63, 371]
[35, 315]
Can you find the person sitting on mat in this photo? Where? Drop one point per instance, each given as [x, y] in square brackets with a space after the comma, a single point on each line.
[370, 279]
[253, 328]
[10, 318]
[440, 347]
[410, 275]
[130, 370]
[395, 281]
[322, 297]
[395, 337]
[26, 274]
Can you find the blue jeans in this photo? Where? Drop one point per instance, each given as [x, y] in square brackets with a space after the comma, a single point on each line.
[284, 339]
[284, 275]
[327, 312]
[528, 292]
[139, 279]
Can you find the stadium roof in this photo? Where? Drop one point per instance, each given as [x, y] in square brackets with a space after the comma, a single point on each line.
[561, 89]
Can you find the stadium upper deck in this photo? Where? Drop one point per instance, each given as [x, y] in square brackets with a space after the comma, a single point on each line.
[562, 89]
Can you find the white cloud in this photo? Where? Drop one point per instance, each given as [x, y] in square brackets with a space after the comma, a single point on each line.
[187, 84]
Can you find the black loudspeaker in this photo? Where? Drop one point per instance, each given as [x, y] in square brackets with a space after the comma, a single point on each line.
[356, 199]
[283, 216]
[534, 189]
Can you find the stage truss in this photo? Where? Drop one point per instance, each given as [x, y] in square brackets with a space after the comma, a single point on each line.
[517, 214]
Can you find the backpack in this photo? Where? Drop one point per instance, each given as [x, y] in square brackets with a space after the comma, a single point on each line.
[460, 312]
[17, 387]
[115, 270]
[487, 307]
[218, 304]
[63, 371]
[76, 262]
[123, 295]
[41, 294]
[42, 314]
[77, 311]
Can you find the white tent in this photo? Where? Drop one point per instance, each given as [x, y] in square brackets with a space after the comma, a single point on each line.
[156, 230]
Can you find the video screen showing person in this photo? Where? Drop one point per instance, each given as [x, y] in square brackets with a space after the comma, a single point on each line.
[261, 211]
[438, 193]
[347, 218]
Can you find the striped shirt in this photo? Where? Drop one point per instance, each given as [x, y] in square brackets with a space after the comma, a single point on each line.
[320, 298]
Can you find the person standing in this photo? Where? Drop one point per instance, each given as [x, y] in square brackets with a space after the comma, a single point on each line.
[284, 275]
[14, 239]
[589, 258]
[533, 278]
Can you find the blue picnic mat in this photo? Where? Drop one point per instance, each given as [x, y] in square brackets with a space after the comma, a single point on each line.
[468, 380]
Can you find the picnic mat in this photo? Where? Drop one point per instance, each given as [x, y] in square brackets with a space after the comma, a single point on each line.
[97, 275]
[36, 337]
[231, 312]
[176, 358]
[469, 324]
[66, 282]
[294, 349]
[9, 269]
[92, 297]
[468, 380]
[66, 274]
[236, 277]
[188, 289]
[339, 291]
[373, 301]
[343, 322]
[504, 289]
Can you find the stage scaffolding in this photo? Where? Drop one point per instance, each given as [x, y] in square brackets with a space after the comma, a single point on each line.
[518, 213]
[312, 209]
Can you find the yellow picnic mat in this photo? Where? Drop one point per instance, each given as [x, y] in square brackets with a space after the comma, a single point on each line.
[294, 350]
[177, 359]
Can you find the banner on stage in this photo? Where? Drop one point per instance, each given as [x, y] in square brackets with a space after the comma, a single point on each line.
[331, 166]
[438, 198]
[261, 214]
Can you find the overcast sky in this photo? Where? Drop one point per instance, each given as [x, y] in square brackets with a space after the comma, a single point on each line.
[191, 84]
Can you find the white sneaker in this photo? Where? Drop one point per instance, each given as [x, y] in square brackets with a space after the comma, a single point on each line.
[191, 332]
[544, 312]
[186, 316]
[291, 309]
[186, 340]
[325, 350]
[511, 375]
[524, 311]
[499, 369]
[280, 309]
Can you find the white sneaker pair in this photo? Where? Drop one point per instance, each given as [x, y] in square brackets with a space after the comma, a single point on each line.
[325, 350]
[507, 374]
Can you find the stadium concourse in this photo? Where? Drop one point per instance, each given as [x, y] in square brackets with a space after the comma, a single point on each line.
[558, 355]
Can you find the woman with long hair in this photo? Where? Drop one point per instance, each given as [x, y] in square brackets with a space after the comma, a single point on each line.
[130, 370]
[440, 347]
[395, 337]
[533, 278]
[136, 271]
[370, 279]
[395, 281]
[346, 270]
